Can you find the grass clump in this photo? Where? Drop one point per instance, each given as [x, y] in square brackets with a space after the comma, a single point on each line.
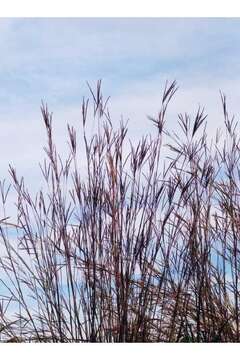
[143, 246]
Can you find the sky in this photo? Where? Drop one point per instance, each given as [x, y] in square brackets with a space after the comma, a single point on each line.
[52, 59]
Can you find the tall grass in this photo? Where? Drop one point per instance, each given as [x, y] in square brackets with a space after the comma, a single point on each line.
[142, 246]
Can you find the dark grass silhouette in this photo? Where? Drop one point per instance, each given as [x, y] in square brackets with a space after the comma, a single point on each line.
[144, 247]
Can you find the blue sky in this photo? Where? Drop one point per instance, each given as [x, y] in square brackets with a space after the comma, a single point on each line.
[51, 60]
